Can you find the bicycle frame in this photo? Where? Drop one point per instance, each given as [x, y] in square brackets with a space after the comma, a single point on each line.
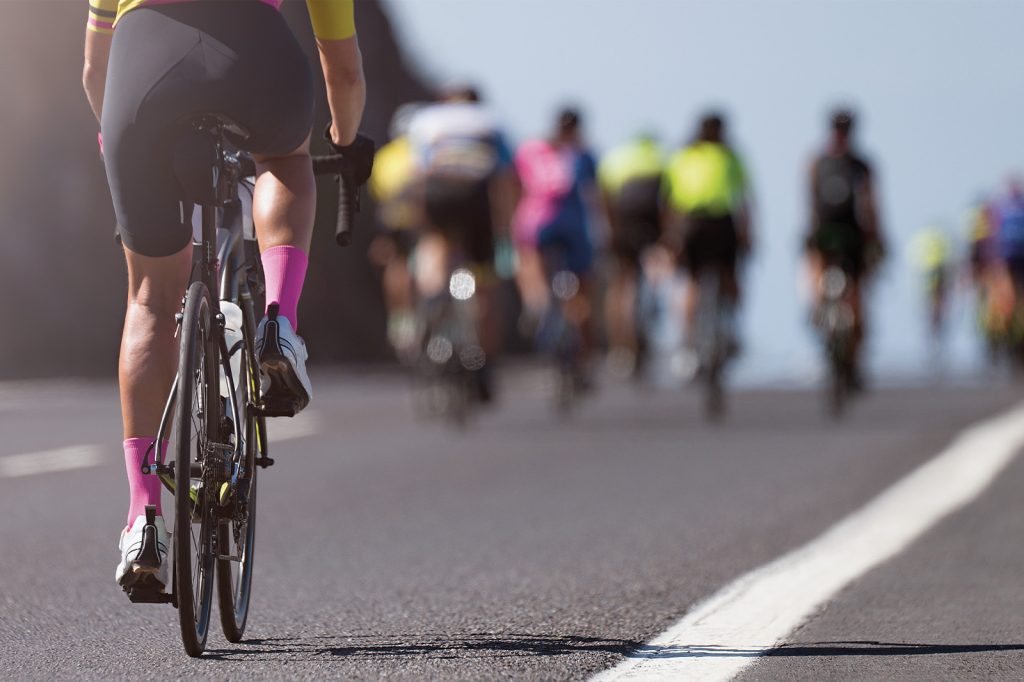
[219, 258]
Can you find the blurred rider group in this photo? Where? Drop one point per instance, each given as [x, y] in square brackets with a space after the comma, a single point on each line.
[452, 193]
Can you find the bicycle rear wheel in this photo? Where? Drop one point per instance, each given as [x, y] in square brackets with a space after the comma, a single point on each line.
[196, 427]
[714, 398]
[839, 379]
[237, 532]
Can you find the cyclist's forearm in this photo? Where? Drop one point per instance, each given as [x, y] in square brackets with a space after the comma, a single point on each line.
[342, 64]
[94, 72]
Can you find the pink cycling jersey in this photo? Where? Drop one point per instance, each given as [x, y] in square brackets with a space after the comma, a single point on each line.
[546, 173]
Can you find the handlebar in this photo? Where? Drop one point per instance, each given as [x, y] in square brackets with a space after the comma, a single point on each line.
[348, 193]
[351, 169]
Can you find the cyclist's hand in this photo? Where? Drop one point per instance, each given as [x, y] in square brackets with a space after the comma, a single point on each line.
[358, 156]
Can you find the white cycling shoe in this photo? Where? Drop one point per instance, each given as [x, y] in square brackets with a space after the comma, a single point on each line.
[143, 555]
[282, 356]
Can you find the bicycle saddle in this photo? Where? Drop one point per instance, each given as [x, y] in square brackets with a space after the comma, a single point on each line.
[200, 159]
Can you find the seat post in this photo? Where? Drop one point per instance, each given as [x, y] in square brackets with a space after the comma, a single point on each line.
[209, 248]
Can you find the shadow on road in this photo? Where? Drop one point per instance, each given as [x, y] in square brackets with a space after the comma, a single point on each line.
[843, 648]
[473, 645]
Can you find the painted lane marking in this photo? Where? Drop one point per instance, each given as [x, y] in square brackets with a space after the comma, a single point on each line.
[84, 456]
[730, 630]
[60, 459]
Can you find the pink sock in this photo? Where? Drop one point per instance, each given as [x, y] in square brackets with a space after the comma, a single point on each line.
[144, 489]
[284, 268]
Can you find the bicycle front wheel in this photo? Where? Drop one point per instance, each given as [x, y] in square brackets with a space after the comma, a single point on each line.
[195, 428]
[237, 532]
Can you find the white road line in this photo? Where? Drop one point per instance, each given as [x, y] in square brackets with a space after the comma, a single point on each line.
[83, 456]
[61, 459]
[727, 632]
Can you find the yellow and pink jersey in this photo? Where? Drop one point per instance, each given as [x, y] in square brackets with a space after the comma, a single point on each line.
[332, 19]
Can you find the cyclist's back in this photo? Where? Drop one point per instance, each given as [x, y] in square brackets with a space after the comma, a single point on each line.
[1008, 214]
[552, 214]
[706, 188]
[461, 150]
[631, 179]
[843, 213]
[332, 19]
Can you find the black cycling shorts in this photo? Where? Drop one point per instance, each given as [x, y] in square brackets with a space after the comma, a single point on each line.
[237, 58]
[708, 241]
[638, 217]
[460, 209]
[841, 244]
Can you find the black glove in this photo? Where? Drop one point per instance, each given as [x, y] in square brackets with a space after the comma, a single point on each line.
[358, 156]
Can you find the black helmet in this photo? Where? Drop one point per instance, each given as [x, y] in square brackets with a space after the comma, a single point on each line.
[569, 119]
[843, 120]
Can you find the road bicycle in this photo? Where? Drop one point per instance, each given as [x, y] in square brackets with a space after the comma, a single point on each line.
[450, 355]
[559, 337]
[714, 341]
[215, 416]
[835, 321]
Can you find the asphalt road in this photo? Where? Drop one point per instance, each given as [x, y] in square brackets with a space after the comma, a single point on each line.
[524, 548]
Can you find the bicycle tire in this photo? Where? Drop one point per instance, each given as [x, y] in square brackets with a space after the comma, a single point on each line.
[236, 535]
[838, 388]
[714, 397]
[196, 423]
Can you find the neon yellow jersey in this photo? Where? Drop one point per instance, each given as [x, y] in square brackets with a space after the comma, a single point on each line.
[931, 249]
[637, 160]
[394, 166]
[706, 177]
[332, 19]
[391, 184]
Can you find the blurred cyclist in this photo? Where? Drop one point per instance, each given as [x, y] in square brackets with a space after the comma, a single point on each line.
[707, 213]
[469, 191]
[630, 178]
[558, 176]
[148, 67]
[844, 226]
[932, 258]
[985, 276]
[396, 186]
[1005, 272]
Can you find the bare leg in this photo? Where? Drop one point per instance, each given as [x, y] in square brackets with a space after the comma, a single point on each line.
[149, 349]
[730, 285]
[284, 203]
[532, 281]
[396, 280]
[620, 309]
[690, 307]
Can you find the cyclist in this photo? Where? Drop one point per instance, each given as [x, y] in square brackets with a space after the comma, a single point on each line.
[984, 269]
[150, 66]
[844, 226]
[469, 188]
[1005, 276]
[932, 257]
[558, 176]
[707, 197]
[396, 186]
[630, 177]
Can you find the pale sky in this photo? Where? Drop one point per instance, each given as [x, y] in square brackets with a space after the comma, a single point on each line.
[938, 84]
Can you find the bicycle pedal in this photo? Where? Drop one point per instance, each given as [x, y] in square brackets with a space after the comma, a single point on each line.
[148, 594]
[277, 408]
